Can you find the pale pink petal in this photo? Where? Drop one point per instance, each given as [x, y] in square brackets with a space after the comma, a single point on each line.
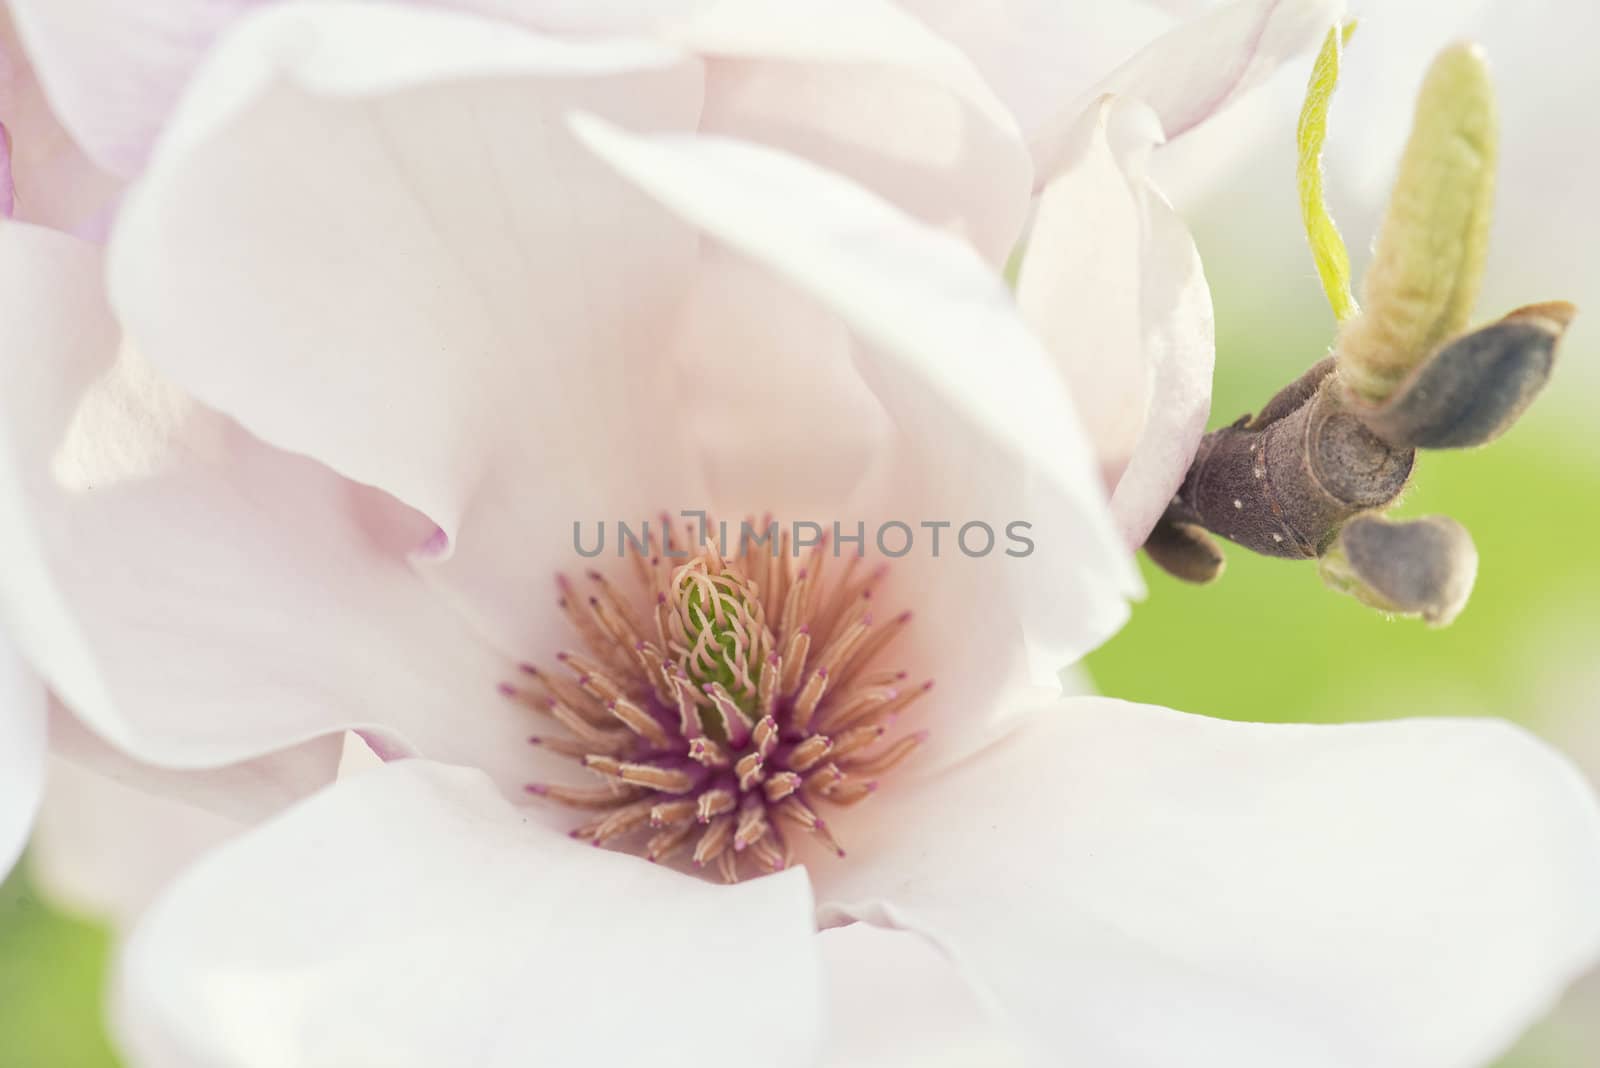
[242, 793]
[977, 424]
[856, 85]
[103, 850]
[758, 367]
[894, 1001]
[112, 831]
[8, 188]
[1197, 69]
[22, 752]
[49, 179]
[586, 17]
[197, 597]
[114, 70]
[1135, 887]
[1041, 54]
[370, 238]
[410, 916]
[871, 93]
[1112, 281]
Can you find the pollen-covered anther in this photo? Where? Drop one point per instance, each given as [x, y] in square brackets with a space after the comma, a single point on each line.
[726, 702]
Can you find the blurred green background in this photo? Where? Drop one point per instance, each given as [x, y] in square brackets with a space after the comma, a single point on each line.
[1267, 642]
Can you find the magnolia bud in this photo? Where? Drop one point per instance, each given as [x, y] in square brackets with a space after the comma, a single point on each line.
[1429, 259]
[1425, 567]
[1473, 388]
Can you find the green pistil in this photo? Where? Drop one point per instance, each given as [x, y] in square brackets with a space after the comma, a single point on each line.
[699, 616]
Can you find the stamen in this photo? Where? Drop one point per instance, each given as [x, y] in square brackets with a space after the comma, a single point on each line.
[767, 852]
[639, 722]
[714, 803]
[619, 630]
[755, 699]
[616, 608]
[794, 606]
[767, 688]
[717, 837]
[605, 765]
[857, 705]
[855, 739]
[667, 780]
[765, 736]
[582, 621]
[668, 813]
[592, 678]
[655, 669]
[565, 746]
[843, 594]
[847, 791]
[822, 780]
[805, 755]
[687, 701]
[750, 770]
[799, 813]
[567, 692]
[794, 661]
[805, 705]
[582, 796]
[752, 823]
[667, 842]
[779, 786]
[904, 700]
[593, 737]
[734, 726]
[709, 752]
[878, 680]
[836, 656]
[878, 763]
[875, 643]
[620, 822]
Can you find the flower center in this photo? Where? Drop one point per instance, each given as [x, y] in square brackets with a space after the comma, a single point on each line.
[726, 713]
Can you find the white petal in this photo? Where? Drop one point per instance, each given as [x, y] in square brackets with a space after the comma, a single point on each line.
[1137, 887]
[239, 793]
[409, 916]
[114, 70]
[112, 831]
[1039, 54]
[22, 747]
[466, 314]
[104, 850]
[865, 90]
[199, 598]
[55, 184]
[1199, 68]
[1113, 283]
[985, 425]
[896, 1002]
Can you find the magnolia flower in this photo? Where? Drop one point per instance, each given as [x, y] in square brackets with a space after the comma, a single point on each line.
[401, 296]
[114, 72]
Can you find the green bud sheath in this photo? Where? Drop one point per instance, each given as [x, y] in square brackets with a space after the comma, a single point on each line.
[1322, 235]
[1429, 260]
